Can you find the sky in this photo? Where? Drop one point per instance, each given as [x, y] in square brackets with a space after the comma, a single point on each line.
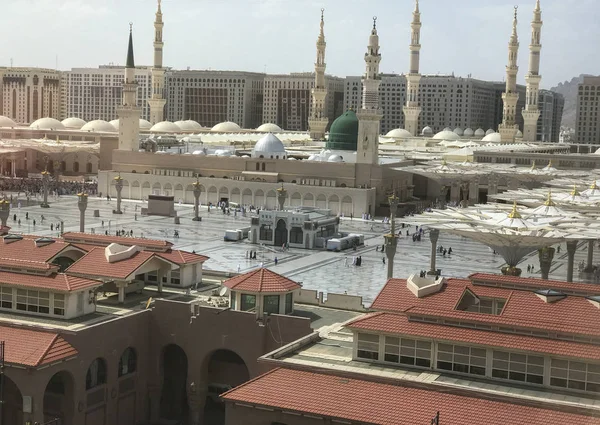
[278, 36]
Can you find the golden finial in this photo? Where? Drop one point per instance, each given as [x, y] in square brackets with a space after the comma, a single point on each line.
[594, 186]
[444, 163]
[550, 164]
[574, 192]
[514, 213]
[533, 165]
[549, 202]
[118, 177]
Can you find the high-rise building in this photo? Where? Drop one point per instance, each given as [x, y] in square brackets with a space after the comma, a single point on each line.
[318, 116]
[157, 100]
[587, 127]
[412, 110]
[287, 99]
[508, 128]
[550, 107]
[369, 115]
[211, 97]
[96, 93]
[30, 93]
[533, 78]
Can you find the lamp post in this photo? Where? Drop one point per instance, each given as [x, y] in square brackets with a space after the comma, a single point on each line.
[281, 196]
[197, 192]
[45, 182]
[4, 211]
[82, 204]
[119, 187]
[391, 239]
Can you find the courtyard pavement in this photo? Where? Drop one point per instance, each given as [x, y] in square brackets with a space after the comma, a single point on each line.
[320, 270]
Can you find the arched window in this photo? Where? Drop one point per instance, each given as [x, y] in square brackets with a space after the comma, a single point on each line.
[88, 168]
[96, 374]
[76, 167]
[257, 166]
[127, 362]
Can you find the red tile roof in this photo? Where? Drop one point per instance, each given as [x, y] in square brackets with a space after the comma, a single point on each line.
[529, 283]
[261, 280]
[27, 264]
[398, 324]
[383, 404]
[34, 348]
[94, 263]
[26, 249]
[182, 257]
[105, 240]
[54, 282]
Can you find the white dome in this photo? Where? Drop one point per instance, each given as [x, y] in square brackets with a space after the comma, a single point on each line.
[47, 124]
[490, 131]
[144, 125]
[199, 153]
[314, 157]
[446, 135]
[519, 134]
[166, 127]
[335, 158]
[269, 146]
[6, 122]
[226, 127]
[492, 137]
[99, 126]
[74, 123]
[188, 125]
[468, 132]
[459, 131]
[292, 159]
[399, 133]
[269, 128]
[222, 152]
[479, 132]
[115, 123]
[447, 129]
[427, 131]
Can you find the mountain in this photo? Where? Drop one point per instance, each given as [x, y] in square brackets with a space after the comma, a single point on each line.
[569, 90]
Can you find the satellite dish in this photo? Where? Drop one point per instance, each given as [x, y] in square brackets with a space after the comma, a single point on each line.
[223, 291]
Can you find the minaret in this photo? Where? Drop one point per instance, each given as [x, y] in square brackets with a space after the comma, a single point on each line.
[129, 113]
[157, 101]
[412, 110]
[369, 116]
[318, 119]
[508, 129]
[531, 113]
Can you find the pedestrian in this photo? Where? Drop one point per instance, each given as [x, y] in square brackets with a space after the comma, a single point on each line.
[51, 226]
[449, 250]
[26, 216]
[19, 222]
[14, 217]
[345, 261]
[276, 260]
[34, 222]
[239, 267]
[383, 259]
[102, 223]
[377, 248]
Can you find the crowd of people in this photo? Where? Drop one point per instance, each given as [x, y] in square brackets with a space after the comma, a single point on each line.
[33, 187]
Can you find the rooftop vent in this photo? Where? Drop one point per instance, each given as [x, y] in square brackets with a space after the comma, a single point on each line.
[595, 300]
[550, 295]
[423, 286]
[43, 242]
[12, 238]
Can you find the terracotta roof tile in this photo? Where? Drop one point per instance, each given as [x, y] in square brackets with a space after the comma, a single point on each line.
[398, 324]
[383, 404]
[26, 249]
[261, 280]
[105, 240]
[182, 257]
[55, 282]
[34, 348]
[27, 264]
[534, 284]
[94, 264]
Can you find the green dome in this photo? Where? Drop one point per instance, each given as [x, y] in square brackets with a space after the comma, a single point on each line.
[343, 134]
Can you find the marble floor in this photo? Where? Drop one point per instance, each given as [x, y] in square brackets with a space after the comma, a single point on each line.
[325, 271]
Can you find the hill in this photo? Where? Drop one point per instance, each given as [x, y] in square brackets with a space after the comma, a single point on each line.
[569, 90]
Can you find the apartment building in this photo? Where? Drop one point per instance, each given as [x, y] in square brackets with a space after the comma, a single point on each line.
[587, 127]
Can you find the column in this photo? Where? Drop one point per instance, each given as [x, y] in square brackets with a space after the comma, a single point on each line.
[119, 187]
[391, 239]
[45, 179]
[159, 280]
[121, 287]
[546, 256]
[571, 248]
[197, 192]
[590, 257]
[4, 211]
[434, 234]
[82, 204]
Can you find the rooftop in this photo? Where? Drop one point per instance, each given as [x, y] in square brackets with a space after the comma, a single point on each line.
[261, 280]
[362, 401]
[54, 282]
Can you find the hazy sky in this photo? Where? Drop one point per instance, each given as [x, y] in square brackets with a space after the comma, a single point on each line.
[460, 36]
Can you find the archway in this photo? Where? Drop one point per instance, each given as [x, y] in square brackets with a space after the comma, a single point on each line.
[281, 233]
[271, 200]
[179, 194]
[334, 204]
[247, 197]
[168, 189]
[145, 190]
[308, 200]
[226, 370]
[296, 199]
[236, 195]
[156, 189]
[173, 398]
[347, 205]
[259, 199]
[126, 373]
[213, 195]
[12, 407]
[59, 398]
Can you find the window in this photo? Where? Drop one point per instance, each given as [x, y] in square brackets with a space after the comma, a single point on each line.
[248, 302]
[271, 304]
[175, 277]
[59, 304]
[266, 233]
[6, 297]
[458, 358]
[33, 301]
[575, 375]
[127, 362]
[368, 346]
[518, 367]
[96, 374]
[289, 303]
[407, 351]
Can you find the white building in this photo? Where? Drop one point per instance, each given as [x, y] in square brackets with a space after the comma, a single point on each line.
[95, 93]
[28, 94]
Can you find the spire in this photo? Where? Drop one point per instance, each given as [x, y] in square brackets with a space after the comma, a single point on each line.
[130, 61]
[514, 39]
[514, 213]
[416, 7]
[318, 121]
[321, 39]
[375, 24]
[549, 202]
